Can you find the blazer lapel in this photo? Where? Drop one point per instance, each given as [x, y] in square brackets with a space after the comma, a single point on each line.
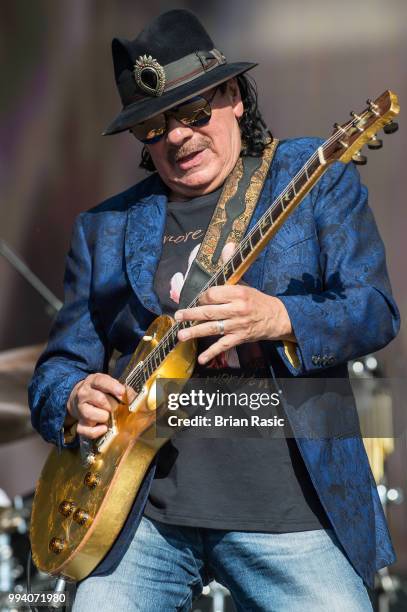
[143, 246]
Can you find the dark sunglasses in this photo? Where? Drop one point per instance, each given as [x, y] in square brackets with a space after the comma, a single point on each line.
[193, 113]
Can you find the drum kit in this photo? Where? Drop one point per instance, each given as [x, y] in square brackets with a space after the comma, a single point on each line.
[22, 454]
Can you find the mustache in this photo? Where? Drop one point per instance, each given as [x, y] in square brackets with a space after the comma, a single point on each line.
[177, 153]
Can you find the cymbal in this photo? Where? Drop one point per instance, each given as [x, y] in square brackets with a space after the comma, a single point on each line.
[16, 368]
[22, 359]
[15, 422]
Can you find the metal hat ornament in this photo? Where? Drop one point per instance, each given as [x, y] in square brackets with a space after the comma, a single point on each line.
[170, 61]
[149, 75]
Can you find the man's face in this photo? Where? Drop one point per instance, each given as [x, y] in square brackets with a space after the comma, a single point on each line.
[193, 161]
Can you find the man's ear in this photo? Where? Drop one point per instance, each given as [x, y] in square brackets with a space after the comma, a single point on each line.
[235, 98]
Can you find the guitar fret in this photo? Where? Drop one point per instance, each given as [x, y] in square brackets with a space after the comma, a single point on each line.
[162, 351]
[278, 209]
[266, 221]
[245, 249]
[236, 260]
[313, 166]
[153, 357]
[167, 344]
[256, 235]
[300, 182]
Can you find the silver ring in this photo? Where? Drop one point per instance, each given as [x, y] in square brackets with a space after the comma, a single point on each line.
[221, 327]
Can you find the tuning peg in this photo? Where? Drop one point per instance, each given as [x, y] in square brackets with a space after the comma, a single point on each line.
[339, 128]
[391, 127]
[359, 160]
[375, 143]
[355, 116]
[373, 107]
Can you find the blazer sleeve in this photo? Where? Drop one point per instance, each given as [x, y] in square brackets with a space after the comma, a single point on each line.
[349, 310]
[76, 347]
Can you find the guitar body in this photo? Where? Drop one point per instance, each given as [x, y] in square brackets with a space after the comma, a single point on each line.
[79, 510]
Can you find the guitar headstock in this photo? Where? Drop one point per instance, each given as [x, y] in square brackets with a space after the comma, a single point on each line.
[348, 138]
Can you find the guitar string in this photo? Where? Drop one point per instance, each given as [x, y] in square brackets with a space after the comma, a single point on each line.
[135, 377]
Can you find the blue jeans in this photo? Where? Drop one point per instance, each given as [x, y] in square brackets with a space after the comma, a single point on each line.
[166, 567]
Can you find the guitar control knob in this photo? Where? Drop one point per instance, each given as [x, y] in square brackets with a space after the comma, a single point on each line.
[375, 143]
[57, 545]
[91, 480]
[391, 127]
[66, 507]
[89, 459]
[81, 517]
[359, 159]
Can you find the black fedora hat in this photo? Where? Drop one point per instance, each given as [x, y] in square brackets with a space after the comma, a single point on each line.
[171, 60]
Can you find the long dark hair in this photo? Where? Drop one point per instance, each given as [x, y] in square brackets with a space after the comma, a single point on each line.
[253, 129]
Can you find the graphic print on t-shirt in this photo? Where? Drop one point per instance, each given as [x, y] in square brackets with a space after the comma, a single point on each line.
[178, 279]
[227, 359]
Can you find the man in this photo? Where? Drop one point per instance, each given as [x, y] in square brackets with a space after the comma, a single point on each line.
[290, 523]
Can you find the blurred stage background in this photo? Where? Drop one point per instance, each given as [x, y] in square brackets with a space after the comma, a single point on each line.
[318, 60]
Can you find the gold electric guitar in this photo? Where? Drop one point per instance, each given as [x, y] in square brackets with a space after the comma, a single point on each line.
[84, 495]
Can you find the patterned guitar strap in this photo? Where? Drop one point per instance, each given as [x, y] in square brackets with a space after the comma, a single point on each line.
[230, 219]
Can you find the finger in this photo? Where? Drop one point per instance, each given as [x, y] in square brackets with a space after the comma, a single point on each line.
[88, 412]
[224, 294]
[223, 344]
[107, 384]
[219, 296]
[91, 432]
[208, 313]
[89, 395]
[131, 394]
[203, 330]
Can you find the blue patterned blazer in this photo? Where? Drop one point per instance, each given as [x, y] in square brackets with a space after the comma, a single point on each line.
[326, 264]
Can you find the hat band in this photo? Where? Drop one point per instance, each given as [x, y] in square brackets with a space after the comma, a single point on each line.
[184, 70]
[191, 67]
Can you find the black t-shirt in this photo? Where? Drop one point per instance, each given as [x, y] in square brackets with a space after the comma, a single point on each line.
[245, 484]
